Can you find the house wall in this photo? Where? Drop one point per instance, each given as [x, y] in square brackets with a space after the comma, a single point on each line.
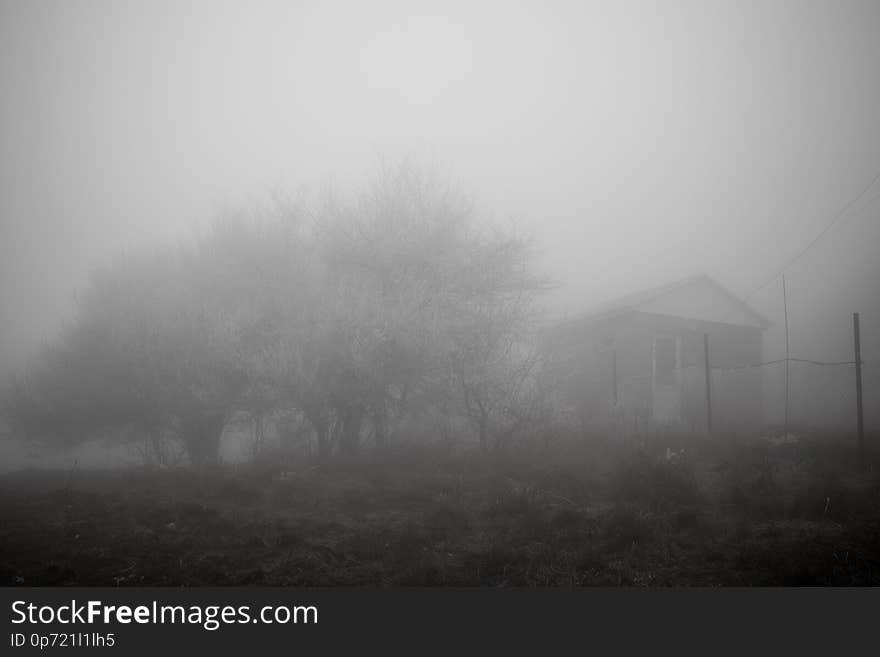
[584, 353]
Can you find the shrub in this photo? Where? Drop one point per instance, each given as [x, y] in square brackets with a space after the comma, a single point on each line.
[656, 484]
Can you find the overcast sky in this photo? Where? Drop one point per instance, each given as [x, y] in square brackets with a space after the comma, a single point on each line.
[638, 142]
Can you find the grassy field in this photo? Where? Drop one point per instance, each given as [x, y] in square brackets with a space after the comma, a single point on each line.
[723, 513]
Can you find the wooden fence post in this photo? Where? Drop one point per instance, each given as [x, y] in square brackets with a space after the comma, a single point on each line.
[614, 369]
[858, 358]
[708, 382]
[787, 355]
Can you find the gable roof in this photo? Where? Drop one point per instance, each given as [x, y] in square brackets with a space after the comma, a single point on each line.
[679, 299]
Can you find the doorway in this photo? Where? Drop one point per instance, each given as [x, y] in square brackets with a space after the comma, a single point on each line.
[666, 380]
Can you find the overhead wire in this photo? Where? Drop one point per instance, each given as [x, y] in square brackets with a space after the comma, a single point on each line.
[838, 217]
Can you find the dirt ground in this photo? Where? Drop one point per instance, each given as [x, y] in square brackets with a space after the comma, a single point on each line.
[718, 513]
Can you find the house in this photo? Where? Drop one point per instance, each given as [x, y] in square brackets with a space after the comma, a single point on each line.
[637, 363]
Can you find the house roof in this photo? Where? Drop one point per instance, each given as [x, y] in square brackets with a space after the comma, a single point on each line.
[682, 298]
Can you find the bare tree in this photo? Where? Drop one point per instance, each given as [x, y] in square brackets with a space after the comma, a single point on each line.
[493, 356]
[348, 314]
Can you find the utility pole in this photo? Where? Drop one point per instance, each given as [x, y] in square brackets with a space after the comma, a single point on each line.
[614, 369]
[708, 382]
[785, 310]
[859, 417]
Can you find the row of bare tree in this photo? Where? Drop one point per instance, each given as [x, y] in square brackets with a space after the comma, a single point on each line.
[353, 313]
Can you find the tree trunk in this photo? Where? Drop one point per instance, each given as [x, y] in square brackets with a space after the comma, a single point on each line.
[380, 428]
[324, 446]
[322, 433]
[484, 434]
[349, 438]
[259, 433]
[201, 436]
[500, 441]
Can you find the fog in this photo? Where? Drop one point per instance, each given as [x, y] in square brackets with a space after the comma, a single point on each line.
[637, 143]
[330, 287]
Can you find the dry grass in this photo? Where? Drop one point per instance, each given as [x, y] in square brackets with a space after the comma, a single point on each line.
[724, 514]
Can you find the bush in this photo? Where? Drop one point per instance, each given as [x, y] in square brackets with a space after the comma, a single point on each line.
[656, 484]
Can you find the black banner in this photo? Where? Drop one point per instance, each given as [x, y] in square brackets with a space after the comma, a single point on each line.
[233, 620]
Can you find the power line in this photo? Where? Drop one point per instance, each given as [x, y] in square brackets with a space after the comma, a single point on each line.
[819, 362]
[837, 218]
[648, 375]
